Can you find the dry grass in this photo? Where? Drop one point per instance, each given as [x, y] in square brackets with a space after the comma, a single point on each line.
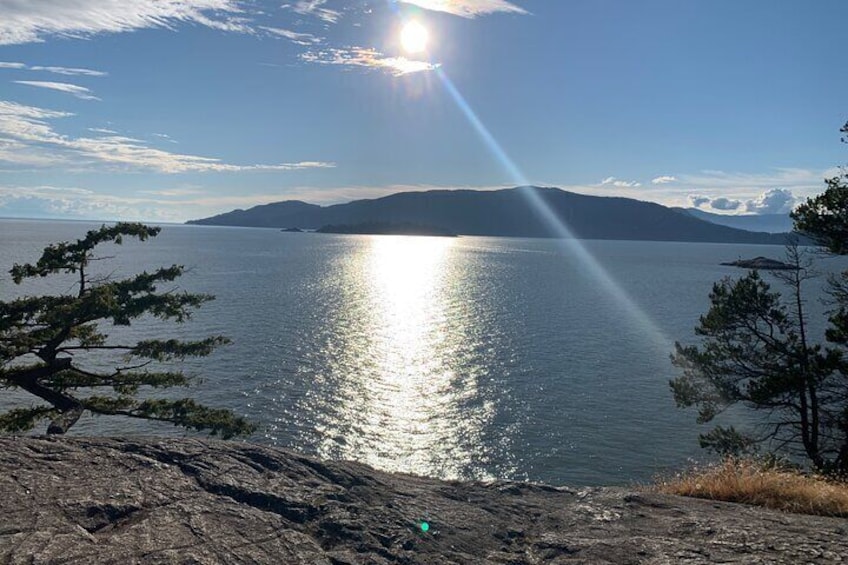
[750, 482]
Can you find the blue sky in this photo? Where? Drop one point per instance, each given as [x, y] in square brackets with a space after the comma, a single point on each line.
[167, 110]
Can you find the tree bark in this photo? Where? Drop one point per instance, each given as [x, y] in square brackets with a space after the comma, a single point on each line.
[69, 407]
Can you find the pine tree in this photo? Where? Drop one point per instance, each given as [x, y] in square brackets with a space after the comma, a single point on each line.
[48, 343]
[755, 351]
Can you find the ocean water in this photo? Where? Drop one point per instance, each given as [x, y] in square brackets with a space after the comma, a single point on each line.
[466, 358]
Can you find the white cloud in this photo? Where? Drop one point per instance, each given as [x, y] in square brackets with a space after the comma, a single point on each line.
[26, 21]
[69, 71]
[78, 91]
[665, 179]
[612, 181]
[102, 130]
[371, 58]
[467, 8]
[774, 201]
[774, 192]
[32, 140]
[748, 185]
[725, 204]
[165, 137]
[704, 186]
[697, 200]
[298, 38]
[314, 8]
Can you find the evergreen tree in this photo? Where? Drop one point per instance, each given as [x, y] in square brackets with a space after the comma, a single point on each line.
[49, 344]
[824, 218]
[756, 351]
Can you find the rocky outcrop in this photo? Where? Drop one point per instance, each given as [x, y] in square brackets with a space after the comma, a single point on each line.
[763, 263]
[190, 501]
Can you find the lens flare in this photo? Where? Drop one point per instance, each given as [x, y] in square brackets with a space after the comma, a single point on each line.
[414, 37]
[654, 336]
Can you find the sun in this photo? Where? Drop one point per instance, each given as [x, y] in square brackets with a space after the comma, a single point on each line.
[413, 37]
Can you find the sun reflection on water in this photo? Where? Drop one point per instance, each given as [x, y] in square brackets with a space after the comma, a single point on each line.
[403, 399]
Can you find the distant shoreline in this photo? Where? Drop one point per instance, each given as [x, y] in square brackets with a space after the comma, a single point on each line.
[386, 228]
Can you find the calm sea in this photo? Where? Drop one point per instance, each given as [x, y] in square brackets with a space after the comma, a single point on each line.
[450, 357]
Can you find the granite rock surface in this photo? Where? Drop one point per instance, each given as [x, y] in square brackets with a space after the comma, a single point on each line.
[201, 501]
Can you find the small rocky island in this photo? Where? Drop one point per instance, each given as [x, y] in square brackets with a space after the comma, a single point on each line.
[87, 500]
[387, 228]
[762, 263]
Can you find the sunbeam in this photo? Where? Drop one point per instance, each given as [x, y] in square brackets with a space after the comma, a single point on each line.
[635, 313]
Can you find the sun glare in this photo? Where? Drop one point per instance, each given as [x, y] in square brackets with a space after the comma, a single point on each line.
[413, 37]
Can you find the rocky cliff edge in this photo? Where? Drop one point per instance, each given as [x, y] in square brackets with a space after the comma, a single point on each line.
[198, 501]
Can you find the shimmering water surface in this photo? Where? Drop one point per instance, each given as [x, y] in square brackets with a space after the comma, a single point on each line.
[450, 357]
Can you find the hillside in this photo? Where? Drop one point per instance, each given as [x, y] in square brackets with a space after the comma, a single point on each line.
[505, 212]
[199, 501]
[770, 223]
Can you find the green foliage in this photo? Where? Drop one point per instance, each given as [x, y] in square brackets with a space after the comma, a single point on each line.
[755, 351]
[728, 442]
[46, 343]
[825, 217]
[24, 419]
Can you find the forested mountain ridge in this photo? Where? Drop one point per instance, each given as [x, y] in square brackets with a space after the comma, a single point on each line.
[508, 212]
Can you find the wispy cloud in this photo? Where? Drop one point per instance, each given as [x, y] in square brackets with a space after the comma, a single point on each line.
[758, 193]
[467, 8]
[74, 89]
[165, 137]
[612, 181]
[31, 21]
[53, 201]
[172, 192]
[67, 71]
[32, 140]
[298, 38]
[174, 204]
[369, 58]
[102, 130]
[717, 182]
[314, 8]
[665, 179]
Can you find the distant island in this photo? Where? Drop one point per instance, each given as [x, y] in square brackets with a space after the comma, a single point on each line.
[525, 211]
[292, 230]
[386, 228]
[763, 263]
